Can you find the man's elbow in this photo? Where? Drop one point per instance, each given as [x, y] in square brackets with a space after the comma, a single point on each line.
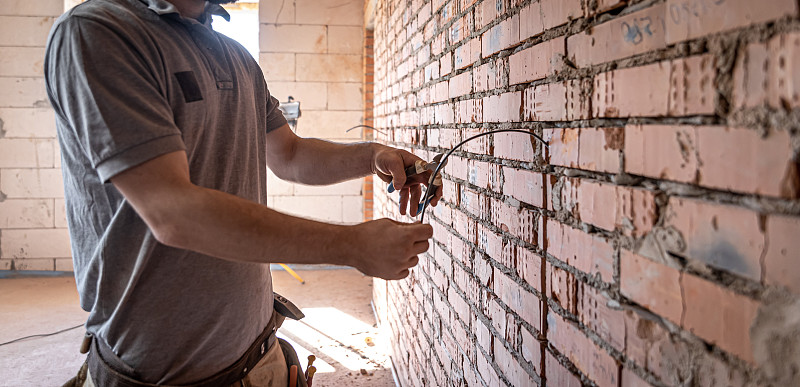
[169, 233]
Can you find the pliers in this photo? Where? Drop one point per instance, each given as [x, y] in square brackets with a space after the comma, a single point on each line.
[433, 183]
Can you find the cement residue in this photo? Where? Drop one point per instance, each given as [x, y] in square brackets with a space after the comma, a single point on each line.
[775, 338]
[658, 244]
[2, 132]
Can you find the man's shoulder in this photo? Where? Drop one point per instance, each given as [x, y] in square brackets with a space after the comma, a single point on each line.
[106, 12]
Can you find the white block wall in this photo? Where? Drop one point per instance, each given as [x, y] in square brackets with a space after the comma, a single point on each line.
[33, 233]
[312, 50]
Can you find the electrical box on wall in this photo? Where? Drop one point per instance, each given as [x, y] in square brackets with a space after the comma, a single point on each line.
[291, 111]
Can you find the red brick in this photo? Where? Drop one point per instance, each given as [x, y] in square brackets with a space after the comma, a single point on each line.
[461, 84]
[783, 87]
[483, 270]
[531, 349]
[537, 62]
[530, 268]
[557, 375]
[515, 146]
[483, 336]
[440, 92]
[483, 174]
[661, 152]
[523, 185]
[750, 76]
[460, 29]
[502, 108]
[650, 346]
[478, 145]
[782, 259]
[492, 244]
[557, 12]
[592, 360]
[462, 339]
[638, 91]
[469, 111]
[652, 285]
[517, 298]
[562, 288]
[466, 282]
[563, 148]
[467, 53]
[719, 316]
[511, 367]
[480, 78]
[630, 379]
[465, 226]
[692, 88]
[691, 19]
[546, 102]
[495, 74]
[519, 222]
[446, 64]
[743, 160]
[622, 37]
[486, 12]
[497, 315]
[585, 252]
[597, 204]
[594, 312]
[486, 371]
[578, 104]
[599, 149]
[444, 114]
[530, 20]
[500, 37]
[723, 236]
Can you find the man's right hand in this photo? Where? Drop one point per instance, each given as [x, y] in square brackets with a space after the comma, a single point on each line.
[388, 249]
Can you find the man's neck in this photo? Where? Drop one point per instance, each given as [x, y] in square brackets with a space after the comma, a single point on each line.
[190, 8]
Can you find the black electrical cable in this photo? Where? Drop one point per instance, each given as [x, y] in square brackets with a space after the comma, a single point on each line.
[444, 159]
[41, 335]
[368, 127]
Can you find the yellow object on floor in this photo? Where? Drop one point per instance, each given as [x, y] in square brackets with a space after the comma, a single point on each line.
[292, 272]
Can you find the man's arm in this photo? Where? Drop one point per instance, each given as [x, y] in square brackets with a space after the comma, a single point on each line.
[211, 222]
[318, 162]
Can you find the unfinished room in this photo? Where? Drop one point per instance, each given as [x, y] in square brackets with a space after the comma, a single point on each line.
[402, 193]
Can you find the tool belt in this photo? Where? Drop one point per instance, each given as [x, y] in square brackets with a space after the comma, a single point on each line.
[108, 371]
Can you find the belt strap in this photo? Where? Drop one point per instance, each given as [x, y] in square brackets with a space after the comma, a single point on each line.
[114, 375]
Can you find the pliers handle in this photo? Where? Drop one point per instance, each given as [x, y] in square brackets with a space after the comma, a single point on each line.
[420, 166]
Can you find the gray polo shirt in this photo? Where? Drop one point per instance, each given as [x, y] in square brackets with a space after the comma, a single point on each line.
[131, 80]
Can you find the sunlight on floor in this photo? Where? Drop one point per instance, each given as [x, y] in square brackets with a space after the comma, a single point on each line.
[349, 341]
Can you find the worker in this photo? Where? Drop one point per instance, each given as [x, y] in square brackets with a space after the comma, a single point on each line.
[166, 129]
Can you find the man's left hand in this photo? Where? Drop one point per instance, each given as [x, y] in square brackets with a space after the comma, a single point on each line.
[390, 164]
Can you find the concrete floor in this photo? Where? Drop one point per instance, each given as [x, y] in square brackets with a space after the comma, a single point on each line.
[339, 328]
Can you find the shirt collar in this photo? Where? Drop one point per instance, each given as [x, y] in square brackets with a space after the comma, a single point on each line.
[164, 7]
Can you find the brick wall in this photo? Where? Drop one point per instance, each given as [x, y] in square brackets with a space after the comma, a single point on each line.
[368, 91]
[312, 50]
[33, 234]
[653, 243]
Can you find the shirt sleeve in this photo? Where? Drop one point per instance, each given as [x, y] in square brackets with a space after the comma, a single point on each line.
[275, 118]
[101, 84]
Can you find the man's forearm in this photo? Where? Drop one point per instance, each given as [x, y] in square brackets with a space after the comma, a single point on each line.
[225, 226]
[320, 162]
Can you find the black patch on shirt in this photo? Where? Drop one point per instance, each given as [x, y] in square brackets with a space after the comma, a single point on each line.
[189, 86]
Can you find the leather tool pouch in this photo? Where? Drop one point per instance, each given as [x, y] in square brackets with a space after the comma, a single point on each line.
[287, 309]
